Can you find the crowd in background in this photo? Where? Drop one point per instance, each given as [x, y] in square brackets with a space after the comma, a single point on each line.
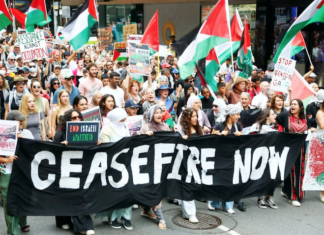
[44, 94]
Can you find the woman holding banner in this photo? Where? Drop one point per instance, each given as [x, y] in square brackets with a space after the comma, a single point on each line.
[294, 121]
[190, 127]
[81, 224]
[114, 131]
[154, 123]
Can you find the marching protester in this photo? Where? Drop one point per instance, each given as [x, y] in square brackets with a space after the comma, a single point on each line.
[154, 123]
[294, 121]
[12, 222]
[114, 89]
[277, 104]
[114, 131]
[80, 103]
[15, 96]
[239, 86]
[81, 224]
[4, 94]
[106, 104]
[320, 126]
[206, 101]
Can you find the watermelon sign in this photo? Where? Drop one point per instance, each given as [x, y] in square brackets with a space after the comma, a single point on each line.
[314, 175]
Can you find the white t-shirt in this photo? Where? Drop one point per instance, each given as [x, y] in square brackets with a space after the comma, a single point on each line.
[117, 93]
[224, 69]
[72, 65]
[6, 168]
[154, 85]
[260, 101]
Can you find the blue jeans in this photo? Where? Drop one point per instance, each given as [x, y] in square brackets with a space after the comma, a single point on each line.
[225, 205]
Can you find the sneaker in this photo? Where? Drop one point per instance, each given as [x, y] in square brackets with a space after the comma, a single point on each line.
[261, 203]
[193, 219]
[88, 232]
[231, 211]
[65, 226]
[271, 203]
[322, 197]
[295, 203]
[148, 214]
[127, 224]
[135, 206]
[210, 207]
[162, 225]
[115, 224]
[241, 206]
[284, 194]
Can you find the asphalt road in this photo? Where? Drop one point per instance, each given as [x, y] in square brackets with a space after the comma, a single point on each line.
[306, 220]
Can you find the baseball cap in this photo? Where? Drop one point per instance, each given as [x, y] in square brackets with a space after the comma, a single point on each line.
[312, 75]
[131, 104]
[166, 65]
[175, 71]
[270, 68]
[15, 115]
[68, 73]
[57, 66]
[254, 67]
[320, 96]
[16, 45]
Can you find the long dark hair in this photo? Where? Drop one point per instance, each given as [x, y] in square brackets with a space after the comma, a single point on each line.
[77, 99]
[262, 118]
[301, 114]
[102, 104]
[67, 117]
[52, 84]
[185, 122]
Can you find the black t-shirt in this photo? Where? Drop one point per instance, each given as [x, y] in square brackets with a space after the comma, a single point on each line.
[222, 126]
[14, 106]
[2, 105]
[9, 80]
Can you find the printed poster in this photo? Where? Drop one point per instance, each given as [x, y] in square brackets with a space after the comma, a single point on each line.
[82, 132]
[50, 48]
[139, 59]
[134, 124]
[92, 114]
[314, 174]
[8, 137]
[32, 45]
[283, 74]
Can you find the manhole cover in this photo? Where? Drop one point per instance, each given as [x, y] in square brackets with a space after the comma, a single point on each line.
[206, 221]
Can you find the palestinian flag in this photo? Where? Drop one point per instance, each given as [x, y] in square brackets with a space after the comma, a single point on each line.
[120, 53]
[244, 55]
[203, 81]
[212, 66]
[314, 13]
[20, 14]
[224, 51]
[296, 45]
[214, 31]
[151, 34]
[36, 12]
[301, 89]
[78, 29]
[5, 17]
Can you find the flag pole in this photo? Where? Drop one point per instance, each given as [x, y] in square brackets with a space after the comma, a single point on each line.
[309, 56]
[159, 66]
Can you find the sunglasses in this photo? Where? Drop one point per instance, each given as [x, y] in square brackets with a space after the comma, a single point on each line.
[32, 66]
[191, 81]
[12, 59]
[215, 106]
[75, 118]
[36, 87]
[69, 79]
[56, 83]
[20, 83]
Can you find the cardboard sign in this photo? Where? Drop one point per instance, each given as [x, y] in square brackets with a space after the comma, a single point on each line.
[139, 59]
[32, 45]
[283, 74]
[134, 124]
[105, 37]
[8, 137]
[50, 48]
[92, 114]
[82, 132]
[129, 29]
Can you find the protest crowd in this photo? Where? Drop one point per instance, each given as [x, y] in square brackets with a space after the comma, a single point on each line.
[44, 94]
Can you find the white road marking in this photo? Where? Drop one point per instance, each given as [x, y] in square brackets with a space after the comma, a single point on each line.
[225, 229]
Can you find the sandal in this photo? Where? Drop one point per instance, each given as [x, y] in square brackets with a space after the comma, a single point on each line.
[25, 229]
[162, 225]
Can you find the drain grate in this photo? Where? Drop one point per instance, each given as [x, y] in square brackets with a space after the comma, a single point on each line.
[206, 221]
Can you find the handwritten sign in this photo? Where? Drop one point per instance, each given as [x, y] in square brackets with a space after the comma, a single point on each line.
[139, 59]
[134, 124]
[82, 132]
[105, 37]
[283, 74]
[32, 45]
[129, 29]
[8, 137]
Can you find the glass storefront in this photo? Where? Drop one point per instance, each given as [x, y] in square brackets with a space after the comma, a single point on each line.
[119, 15]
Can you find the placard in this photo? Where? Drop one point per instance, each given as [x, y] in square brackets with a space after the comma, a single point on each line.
[105, 37]
[8, 137]
[314, 174]
[32, 45]
[120, 53]
[129, 29]
[50, 48]
[82, 132]
[283, 74]
[92, 114]
[139, 59]
[134, 124]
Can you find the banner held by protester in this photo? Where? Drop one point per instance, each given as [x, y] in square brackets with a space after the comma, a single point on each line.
[146, 169]
[82, 132]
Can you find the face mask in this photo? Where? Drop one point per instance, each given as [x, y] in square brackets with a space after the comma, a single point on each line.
[2, 72]
[32, 70]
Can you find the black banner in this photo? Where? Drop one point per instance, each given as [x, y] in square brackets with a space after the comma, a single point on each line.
[52, 179]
